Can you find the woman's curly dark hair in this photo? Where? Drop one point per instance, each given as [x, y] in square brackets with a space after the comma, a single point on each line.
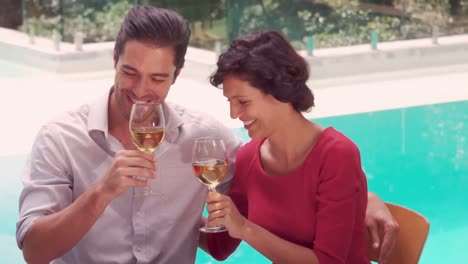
[268, 62]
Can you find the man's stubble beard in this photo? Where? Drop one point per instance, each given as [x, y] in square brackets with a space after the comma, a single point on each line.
[121, 103]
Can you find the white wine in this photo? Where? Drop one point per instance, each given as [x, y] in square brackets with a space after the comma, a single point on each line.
[148, 138]
[210, 172]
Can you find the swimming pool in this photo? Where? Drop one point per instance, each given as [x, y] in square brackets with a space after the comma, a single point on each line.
[415, 156]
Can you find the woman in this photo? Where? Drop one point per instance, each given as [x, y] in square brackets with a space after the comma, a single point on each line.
[299, 194]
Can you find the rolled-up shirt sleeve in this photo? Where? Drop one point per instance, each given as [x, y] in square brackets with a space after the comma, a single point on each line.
[47, 183]
[342, 199]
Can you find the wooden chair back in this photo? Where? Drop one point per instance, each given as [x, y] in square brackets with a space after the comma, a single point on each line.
[414, 229]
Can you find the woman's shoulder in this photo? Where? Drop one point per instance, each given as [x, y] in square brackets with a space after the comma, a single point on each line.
[334, 141]
[249, 150]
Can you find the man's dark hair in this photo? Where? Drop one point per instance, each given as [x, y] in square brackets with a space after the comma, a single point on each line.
[268, 62]
[155, 26]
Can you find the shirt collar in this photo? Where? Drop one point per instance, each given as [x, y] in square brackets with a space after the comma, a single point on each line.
[97, 122]
[98, 114]
[174, 121]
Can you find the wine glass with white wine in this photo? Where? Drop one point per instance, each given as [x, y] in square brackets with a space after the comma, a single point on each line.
[209, 166]
[147, 128]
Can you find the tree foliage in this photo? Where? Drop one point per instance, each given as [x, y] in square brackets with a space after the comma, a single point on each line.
[331, 22]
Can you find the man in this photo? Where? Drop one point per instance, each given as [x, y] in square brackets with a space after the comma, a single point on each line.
[81, 202]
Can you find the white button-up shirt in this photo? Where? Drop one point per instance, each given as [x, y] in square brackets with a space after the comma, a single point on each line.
[73, 151]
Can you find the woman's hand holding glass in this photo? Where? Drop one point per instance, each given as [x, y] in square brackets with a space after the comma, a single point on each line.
[223, 212]
[209, 166]
[147, 126]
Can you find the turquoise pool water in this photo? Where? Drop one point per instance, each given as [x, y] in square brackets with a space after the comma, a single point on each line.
[416, 156]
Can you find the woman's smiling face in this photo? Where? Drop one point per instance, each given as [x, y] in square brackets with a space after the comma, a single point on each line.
[257, 110]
